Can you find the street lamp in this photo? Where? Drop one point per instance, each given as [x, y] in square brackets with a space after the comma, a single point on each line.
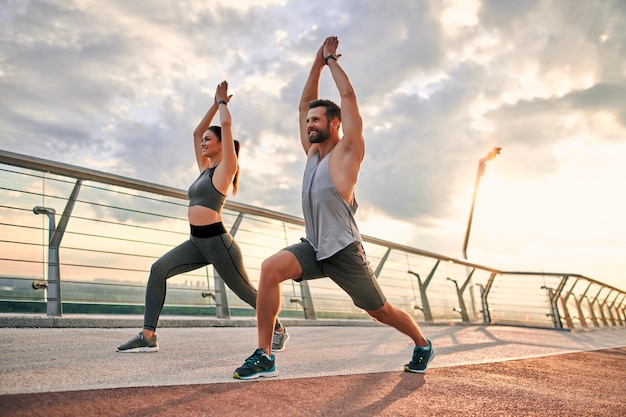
[481, 170]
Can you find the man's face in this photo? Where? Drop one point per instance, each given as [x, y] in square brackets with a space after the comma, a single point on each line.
[317, 127]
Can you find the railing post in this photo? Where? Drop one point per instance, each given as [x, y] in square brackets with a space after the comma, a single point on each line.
[379, 268]
[484, 298]
[53, 283]
[610, 308]
[307, 301]
[620, 320]
[602, 315]
[481, 288]
[620, 310]
[554, 312]
[594, 318]
[558, 295]
[579, 307]
[564, 300]
[428, 316]
[604, 309]
[554, 295]
[459, 293]
[465, 286]
[592, 304]
[623, 310]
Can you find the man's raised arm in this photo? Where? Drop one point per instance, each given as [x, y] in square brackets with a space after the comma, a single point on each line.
[352, 141]
[310, 92]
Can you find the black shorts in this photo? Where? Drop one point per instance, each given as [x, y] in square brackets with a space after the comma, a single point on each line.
[348, 268]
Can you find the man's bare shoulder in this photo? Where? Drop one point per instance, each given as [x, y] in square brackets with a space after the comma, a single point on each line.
[350, 150]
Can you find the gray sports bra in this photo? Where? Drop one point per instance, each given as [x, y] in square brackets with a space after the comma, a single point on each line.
[203, 193]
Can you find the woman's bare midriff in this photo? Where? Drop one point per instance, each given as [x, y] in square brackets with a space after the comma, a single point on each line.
[201, 216]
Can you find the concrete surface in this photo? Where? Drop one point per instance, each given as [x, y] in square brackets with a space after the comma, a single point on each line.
[68, 363]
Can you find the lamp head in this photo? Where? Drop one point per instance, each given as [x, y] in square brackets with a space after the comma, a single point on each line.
[494, 153]
[43, 210]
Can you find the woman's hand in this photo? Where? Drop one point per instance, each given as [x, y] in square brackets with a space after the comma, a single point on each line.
[221, 92]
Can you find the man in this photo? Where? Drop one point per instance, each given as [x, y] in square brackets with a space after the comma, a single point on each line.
[332, 247]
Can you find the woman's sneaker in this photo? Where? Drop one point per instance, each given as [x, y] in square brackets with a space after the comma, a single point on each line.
[421, 358]
[140, 343]
[257, 365]
[279, 340]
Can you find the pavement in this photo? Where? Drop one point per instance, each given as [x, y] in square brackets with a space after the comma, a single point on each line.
[70, 367]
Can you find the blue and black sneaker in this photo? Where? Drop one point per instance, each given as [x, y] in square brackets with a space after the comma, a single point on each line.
[421, 358]
[257, 365]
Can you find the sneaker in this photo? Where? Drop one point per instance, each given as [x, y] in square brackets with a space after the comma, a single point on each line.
[421, 358]
[257, 365]
[279, 340]
[140, 343]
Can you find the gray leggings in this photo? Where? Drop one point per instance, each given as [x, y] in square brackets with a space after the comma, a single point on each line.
[222, 251]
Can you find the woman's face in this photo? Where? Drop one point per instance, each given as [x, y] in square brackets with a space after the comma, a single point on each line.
[210, 145]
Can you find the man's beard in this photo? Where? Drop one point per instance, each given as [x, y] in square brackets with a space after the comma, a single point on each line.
[320, 136]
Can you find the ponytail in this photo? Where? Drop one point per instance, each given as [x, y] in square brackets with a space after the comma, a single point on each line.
[236, 177]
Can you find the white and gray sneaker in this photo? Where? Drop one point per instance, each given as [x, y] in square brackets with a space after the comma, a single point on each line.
[140, 343]
[279, 340]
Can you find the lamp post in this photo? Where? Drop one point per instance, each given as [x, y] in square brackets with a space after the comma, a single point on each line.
[481, 170]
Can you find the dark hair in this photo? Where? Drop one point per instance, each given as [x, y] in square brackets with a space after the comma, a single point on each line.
[332, 109]
[218, 132]
[236, 177]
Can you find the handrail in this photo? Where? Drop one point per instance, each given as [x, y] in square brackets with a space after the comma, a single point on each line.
[60, 168]
[562, 274]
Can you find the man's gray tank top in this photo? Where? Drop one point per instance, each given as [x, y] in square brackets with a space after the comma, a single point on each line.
[329, 220]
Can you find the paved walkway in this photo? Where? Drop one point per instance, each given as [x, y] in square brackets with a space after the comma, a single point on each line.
[325, 371]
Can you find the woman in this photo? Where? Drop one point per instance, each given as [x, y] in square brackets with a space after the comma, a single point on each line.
[209, 243]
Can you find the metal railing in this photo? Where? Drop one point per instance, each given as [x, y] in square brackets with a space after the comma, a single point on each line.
[112, 228]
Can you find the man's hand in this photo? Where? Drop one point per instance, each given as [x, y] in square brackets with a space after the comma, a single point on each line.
[330, 47]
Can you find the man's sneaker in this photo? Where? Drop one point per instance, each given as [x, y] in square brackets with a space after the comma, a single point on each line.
[257, 365]
[279, 340]
[421, 358]
[140, 343]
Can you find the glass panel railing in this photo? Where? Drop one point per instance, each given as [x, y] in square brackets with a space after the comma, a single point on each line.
[113, 228]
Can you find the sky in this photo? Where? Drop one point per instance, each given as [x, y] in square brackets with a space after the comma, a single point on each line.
[119, 87]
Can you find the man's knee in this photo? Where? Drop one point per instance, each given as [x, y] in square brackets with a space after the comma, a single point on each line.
[271, 272]
[280, 267]
[383, 314]
[269, 269]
